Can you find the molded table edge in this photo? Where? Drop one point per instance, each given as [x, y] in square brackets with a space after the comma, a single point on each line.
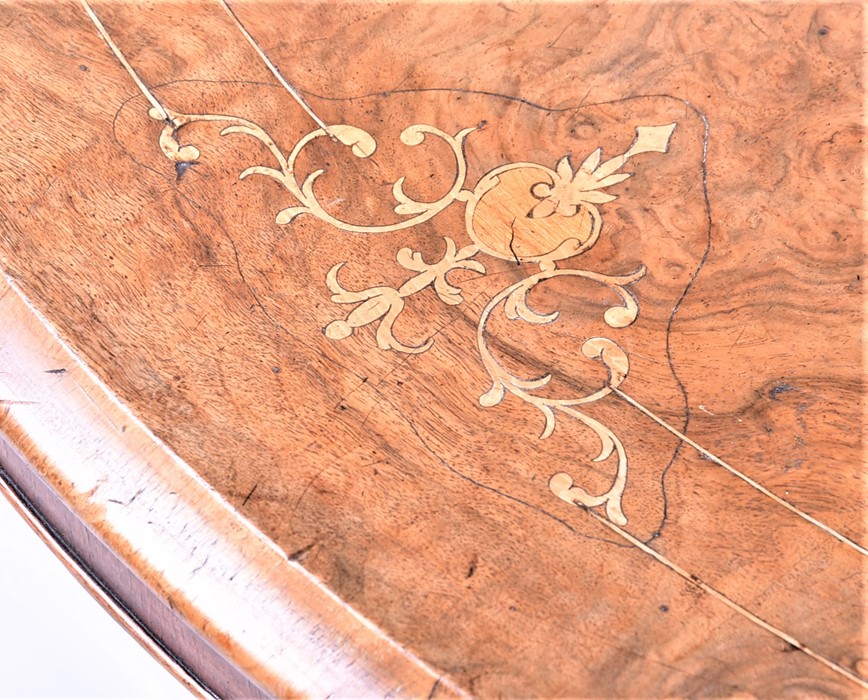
[225, 603]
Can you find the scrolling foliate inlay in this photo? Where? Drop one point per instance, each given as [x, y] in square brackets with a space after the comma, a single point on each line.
[524, 212]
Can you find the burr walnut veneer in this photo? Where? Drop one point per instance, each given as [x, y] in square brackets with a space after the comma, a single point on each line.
[541, 377]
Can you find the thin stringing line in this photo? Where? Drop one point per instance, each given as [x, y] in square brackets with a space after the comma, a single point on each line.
[744, 477]
[117, 52]
[696, 581]
[289, 88]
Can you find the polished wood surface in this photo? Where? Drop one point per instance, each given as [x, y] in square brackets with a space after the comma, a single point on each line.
[302, 418]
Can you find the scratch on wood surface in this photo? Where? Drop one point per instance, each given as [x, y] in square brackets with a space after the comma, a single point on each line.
[40, 197]
[249, 494]
[299, 554]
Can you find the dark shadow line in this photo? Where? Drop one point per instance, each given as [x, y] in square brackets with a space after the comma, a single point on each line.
[687, 415]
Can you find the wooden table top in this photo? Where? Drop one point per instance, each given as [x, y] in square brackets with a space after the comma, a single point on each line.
[543, 377]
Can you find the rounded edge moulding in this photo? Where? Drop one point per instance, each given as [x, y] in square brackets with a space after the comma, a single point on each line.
[211, 596]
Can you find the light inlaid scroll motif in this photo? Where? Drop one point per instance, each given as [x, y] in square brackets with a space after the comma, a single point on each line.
[525, 212]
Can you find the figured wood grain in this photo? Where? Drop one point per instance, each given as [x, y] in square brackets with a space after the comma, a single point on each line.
[379, 472]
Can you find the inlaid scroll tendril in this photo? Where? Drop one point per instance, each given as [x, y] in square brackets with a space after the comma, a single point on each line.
[360, 142]
[515, 307]
[385, 304]
[523, 211]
